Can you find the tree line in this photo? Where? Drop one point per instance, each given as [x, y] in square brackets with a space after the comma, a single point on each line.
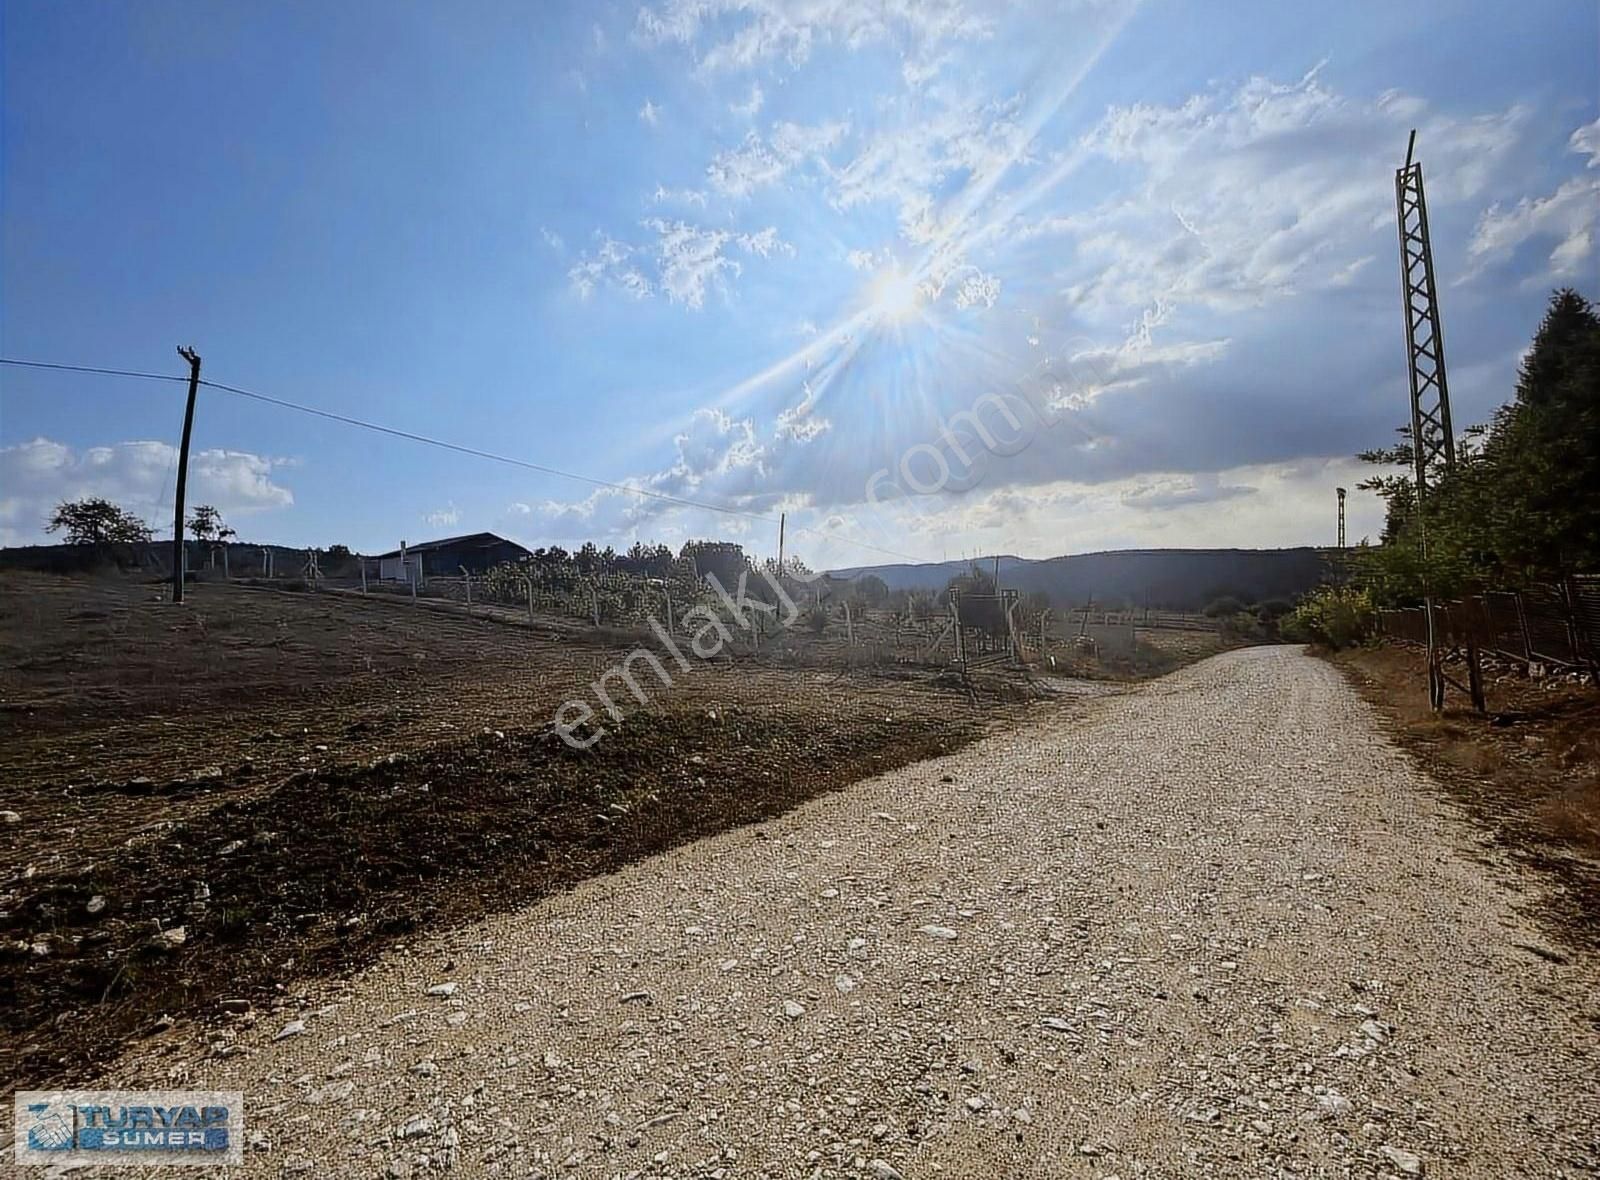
[1520, 506]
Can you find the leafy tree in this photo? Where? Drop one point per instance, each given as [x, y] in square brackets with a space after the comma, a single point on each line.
[871, 590]
[725, 559]
[95, 521]
[1523, 501]
[1272, 609]
[1224, 607]
[976, 581]
[1333, 616]
[206, 524]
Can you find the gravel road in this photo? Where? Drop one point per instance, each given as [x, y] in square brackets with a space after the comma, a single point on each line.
[1215, 925]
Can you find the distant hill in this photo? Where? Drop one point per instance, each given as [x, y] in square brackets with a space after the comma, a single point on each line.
[1175, 579]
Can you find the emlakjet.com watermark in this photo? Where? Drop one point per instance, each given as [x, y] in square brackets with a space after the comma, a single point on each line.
[129, 1128]
[708, 634]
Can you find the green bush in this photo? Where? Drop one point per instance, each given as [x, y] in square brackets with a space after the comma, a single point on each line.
[1333, 616]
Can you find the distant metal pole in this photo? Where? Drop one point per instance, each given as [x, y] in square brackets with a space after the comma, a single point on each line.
[193, 358]
[783, 518]
[1341, 518]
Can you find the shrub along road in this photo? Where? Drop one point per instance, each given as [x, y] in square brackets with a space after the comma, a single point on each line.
[1212, 925]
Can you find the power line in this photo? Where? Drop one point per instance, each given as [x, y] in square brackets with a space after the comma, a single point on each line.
[92, 369]
[476, 452]
[459, 448]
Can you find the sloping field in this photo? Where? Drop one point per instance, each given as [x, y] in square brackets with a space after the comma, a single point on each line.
[225, 798]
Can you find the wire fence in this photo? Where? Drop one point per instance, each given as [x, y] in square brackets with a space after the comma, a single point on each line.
[1556, 624]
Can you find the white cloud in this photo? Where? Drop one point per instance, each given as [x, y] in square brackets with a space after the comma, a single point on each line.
[747, 33]
[757, 162]
[552, 239]
[1586, 141]
[909, 166]
[1265, 189]
[978, 289]
[650, 113]
[1179, 491]
[612, 261]
[687, 196]
[750, 107]
[39, 474]
[1566, 217]
[442, 518]
[689, 260]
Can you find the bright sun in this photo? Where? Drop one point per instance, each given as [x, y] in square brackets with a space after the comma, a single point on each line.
[894, 294]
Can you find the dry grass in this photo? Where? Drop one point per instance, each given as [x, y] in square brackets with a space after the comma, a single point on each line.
[1528, 771]
[1573, 817]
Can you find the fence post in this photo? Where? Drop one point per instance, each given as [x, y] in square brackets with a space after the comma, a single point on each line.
[1522, 622]
[594, 603]
[363, 575]
[849, 627]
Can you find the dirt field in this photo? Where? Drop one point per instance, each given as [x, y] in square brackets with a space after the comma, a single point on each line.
[1527, 772]
[1215, 927]
[294, 782]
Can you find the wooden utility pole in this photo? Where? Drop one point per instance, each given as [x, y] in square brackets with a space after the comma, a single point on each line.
[193, 358]
[783, 518]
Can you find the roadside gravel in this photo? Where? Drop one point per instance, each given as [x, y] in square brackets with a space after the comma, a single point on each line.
[1215, 925]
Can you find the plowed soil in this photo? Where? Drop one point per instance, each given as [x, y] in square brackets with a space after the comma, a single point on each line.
[295, 782]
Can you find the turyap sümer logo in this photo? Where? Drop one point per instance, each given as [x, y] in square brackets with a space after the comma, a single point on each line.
[129, 1127]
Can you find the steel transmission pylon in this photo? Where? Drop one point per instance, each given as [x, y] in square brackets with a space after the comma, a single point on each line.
[1341, 520]
[1433, 440]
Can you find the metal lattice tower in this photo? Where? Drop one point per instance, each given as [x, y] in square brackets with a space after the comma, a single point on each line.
[1433, 440]
[1341, 518]
[1432, 437]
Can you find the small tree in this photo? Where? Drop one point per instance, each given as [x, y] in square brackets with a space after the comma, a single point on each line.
[1225, 607]
[95, 521]
[206, 524]
[1333, 616]
[871, 590]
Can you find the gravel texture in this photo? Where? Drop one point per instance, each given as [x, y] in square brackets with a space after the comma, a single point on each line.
[1212, 926]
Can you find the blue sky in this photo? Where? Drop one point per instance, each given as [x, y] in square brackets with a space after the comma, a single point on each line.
[755, 254]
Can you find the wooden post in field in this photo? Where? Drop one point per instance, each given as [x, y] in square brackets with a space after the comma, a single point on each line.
[193, 358]
[849, 626]
[225, 574]
[594, 603]
[466, 577]
[529, 582]
[363, 575]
